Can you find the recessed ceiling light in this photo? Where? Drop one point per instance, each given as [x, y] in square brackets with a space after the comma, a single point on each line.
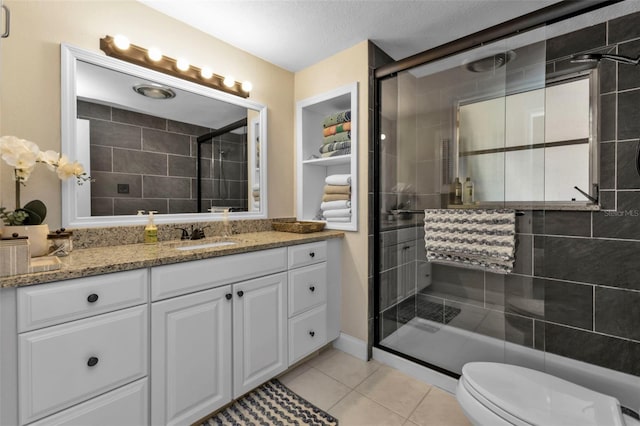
[154, 91]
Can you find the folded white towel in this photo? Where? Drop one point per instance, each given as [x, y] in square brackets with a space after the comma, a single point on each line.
[337, 213]
[256, 187]
[338, 180]
[339, 219]
[333, 205]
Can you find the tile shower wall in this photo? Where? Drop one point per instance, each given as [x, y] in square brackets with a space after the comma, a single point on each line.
[575, 289]
[142, 162]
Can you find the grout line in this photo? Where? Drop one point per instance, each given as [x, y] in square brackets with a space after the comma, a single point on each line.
[593, 310]
[420, 402]
[599, 333]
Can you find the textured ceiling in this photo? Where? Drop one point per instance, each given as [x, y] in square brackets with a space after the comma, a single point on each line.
[295, 34]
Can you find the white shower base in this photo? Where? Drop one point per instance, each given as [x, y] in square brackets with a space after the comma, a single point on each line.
[450, 348]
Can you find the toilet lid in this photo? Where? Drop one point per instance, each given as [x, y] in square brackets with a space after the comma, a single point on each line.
[525, 396]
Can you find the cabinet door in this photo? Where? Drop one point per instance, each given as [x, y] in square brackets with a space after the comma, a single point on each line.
[260, 331]
[190, 356]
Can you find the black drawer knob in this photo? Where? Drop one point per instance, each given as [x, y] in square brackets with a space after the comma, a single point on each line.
[312, 333]
[92, 361]
[93, 298]
[312, 288]
[228, 296]
[312, 254]
[240, 293]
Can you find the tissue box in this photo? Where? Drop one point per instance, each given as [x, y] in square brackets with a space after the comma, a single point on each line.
[14, 256]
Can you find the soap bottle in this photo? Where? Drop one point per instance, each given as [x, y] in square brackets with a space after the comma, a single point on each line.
[151, 230]
[467, 194]
[457, 197]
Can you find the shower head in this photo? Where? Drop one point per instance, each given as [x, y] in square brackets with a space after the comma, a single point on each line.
[491, 63]
[597, 57]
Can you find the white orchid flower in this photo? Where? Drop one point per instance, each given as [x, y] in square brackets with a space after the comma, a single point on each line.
[50, 159]
[67, 169]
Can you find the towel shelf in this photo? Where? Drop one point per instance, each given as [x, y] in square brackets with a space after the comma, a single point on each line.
[311, 171]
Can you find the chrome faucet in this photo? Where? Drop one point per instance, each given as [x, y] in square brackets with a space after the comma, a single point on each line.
[196, 233]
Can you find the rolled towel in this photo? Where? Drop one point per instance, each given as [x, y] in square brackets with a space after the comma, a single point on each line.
[338, 137]
[337, 189]
[337, 213]
[339, 219]
[338, 128]
[333, 205]
[334, 146]
[338, 180]
[336, 118]
[336, 197]
[345, 151]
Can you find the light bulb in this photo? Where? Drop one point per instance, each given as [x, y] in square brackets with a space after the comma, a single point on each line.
[229, 81]
[182, 64]
[382, 136]
[154, 54]
[121, 42]
[206, 73]
[247, 86]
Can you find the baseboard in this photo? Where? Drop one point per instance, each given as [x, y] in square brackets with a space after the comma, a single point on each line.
[352, 346]
[419, 372]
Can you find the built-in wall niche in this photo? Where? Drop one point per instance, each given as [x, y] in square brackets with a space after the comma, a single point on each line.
[314, 166]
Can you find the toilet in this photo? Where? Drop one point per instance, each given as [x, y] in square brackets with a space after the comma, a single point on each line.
[494, 394]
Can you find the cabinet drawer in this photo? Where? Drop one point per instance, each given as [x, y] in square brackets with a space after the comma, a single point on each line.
[307, 332]
[307, 288]
[65, 364]
[125, 406]
[182, 278]
[307, 254]
[50, 304]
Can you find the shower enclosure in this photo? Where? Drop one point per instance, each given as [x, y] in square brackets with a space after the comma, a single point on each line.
[520, 119]
[222, 169]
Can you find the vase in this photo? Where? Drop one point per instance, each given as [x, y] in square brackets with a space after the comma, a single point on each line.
[38, 243]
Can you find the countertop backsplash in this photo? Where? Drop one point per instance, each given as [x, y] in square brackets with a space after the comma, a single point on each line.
[134, 234]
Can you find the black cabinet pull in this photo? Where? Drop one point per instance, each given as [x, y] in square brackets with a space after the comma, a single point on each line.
[93, 298]
[312, 288]
[228, 296]
[7, 22]
[312, 333]
[240, 293]
[92, 361]
[312, 254]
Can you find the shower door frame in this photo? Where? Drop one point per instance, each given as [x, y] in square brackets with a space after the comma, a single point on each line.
[545, 16]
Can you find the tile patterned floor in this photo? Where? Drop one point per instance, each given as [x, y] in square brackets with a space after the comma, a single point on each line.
[362, 393]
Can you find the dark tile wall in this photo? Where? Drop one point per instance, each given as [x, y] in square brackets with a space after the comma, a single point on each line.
[156, 158]
[575, 289]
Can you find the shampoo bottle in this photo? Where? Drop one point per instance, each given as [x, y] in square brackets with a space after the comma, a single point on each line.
[467, 194]
[457, 197]
[151, 230]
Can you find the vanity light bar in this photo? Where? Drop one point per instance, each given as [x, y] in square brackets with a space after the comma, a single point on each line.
[140, 56]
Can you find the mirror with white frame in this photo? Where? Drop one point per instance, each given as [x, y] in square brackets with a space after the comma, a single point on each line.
[154, 142]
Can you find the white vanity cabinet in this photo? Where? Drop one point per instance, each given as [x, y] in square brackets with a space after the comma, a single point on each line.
[165, 345]
[91, 340]
[196, 368]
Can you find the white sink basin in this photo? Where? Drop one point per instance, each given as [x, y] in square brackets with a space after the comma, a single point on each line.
[206, 245]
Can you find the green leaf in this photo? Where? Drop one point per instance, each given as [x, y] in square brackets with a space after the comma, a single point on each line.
[37, 212]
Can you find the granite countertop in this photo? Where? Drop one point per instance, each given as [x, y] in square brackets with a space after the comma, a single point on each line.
[104, 260]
